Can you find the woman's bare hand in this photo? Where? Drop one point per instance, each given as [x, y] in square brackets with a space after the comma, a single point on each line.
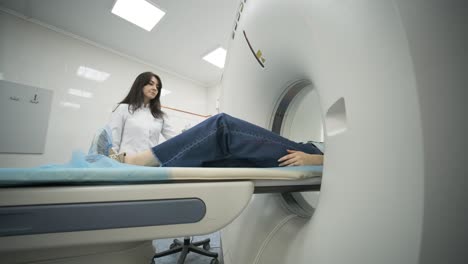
[299, 158]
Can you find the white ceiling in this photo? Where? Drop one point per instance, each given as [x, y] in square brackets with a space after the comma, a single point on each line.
[189, 30]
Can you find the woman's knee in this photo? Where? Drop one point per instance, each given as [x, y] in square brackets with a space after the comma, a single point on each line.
[222, 117]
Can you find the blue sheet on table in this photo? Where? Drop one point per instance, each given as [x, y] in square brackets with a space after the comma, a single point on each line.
[98, 169]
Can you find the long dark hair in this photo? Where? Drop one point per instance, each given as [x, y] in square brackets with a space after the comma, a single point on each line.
[135, 96]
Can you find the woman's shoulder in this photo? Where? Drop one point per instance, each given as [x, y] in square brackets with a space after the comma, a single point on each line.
[121, 108]
[159, 119]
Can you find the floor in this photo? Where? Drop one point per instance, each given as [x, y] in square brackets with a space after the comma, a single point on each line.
[192, 258]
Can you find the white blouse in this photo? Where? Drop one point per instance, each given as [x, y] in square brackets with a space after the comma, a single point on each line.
[137, 131]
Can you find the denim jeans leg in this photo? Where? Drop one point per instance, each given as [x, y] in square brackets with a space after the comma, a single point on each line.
[260, 146]
[226, 140]
[195, 146]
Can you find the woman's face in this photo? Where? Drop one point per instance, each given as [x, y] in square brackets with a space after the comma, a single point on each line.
[150, 90]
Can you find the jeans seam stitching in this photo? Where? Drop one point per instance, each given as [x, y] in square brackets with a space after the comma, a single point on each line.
[261, 137]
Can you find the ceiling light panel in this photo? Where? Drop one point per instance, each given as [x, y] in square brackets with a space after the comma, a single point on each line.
[70, 105]
[216, 57]
[165, 92]
[139, 12]
[92, 74]
[80, 93]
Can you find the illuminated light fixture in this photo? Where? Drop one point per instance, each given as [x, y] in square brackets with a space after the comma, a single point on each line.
[80, 93]
[216, 57]
[70, 105]
[92, 74]
[165, 92]
[138, 12]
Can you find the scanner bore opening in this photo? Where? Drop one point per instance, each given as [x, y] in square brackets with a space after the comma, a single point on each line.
[294, 202]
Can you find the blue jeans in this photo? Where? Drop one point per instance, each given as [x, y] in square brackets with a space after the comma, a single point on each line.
[225, 141]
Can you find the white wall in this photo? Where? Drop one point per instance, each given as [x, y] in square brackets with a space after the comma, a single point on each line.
[34, 55]
[212, 99]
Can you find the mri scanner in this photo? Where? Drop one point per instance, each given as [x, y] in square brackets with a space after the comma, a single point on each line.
[388, 79]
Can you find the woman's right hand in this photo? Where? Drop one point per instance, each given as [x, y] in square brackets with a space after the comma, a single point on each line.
[299, 158]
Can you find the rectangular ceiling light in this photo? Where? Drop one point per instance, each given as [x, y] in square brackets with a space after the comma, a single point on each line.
[216, 57]
[165, 92]
[92, 74]
[70, 105]
[80, 93]
[138, 12]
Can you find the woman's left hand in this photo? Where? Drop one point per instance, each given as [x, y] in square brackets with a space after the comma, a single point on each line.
[299, 158]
